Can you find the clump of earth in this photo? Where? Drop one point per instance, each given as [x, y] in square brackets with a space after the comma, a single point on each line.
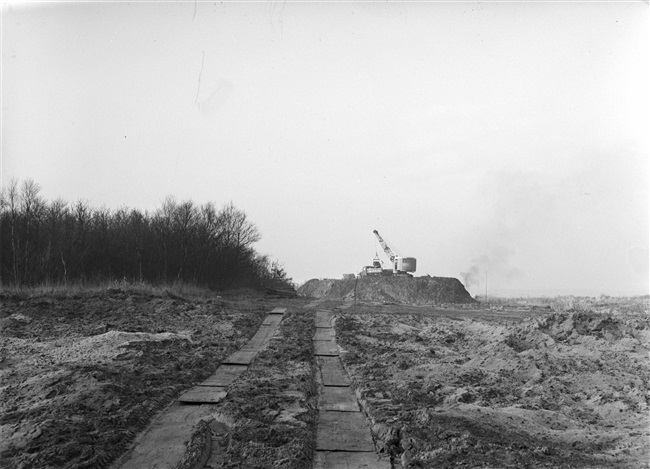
[405, 289]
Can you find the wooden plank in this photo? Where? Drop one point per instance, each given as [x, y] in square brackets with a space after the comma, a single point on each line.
[272, 320]
[348, 460]
[323, 319]
[326, 348]
[225, 375]
[313, 304]
[278, 311]
[242, 357]
[332, 372]
[324, 334]
[260, 339]
[338, 398]
[343, 431]
[163, 444]
[203, 395]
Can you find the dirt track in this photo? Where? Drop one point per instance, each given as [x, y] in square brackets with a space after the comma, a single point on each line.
[446, 387]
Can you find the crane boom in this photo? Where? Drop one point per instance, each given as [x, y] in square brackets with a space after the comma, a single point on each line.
[389, 252]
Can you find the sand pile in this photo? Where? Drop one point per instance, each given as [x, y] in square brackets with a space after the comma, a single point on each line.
[397, 289]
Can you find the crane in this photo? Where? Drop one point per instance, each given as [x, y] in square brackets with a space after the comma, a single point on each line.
[401, 265]
[389, 252]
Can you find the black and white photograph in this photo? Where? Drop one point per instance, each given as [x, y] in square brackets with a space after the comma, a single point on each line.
[325, 234]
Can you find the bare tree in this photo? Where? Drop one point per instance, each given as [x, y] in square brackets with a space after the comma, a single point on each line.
[56, 242]
[53, 256]
[10, 208]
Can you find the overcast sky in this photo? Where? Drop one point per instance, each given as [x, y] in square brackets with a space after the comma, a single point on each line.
[507, 138]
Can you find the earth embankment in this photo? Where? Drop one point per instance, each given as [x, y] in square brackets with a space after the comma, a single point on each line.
[424, 290]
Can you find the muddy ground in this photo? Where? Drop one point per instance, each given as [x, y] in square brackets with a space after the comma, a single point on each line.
[270, 413]
[561, 385]
[505, 387]
[82, 374]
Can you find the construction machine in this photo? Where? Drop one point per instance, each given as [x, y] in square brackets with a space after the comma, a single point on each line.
[374, 269]
[401, 265]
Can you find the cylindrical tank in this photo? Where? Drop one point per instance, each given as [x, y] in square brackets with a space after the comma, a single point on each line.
[405, 264]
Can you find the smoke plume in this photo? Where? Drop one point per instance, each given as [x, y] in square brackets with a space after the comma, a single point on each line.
[497, 264]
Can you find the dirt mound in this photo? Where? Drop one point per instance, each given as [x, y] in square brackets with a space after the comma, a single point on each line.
[398, 289]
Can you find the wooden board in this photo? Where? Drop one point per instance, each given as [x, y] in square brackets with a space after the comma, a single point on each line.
[272, 320]
[324, 334]
[323, 319]
[343, 431]
[225, 375]
[260, 339]
[313, 304]
[338, 398]
[326, 348]
[203, 395]
[243, 357]
[279, 311]
[163, 444]
[348, 460]
[332, 372]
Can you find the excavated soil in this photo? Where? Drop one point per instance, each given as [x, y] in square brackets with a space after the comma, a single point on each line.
[82, 375]
[562, 385]
[504, 389]
[394, 289]
[269, 416]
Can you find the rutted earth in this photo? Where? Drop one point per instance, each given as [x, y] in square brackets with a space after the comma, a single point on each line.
[82, 375]
[462, 390]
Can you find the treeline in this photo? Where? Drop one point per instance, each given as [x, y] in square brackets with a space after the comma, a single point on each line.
[56, 242]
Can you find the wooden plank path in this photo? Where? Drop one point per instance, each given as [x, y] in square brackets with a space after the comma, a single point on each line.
[324, 334]
[272, 320]
[204, 395]
[261, 338]
[338, 398]
[343, 431]
[343, 438]
[324, 319]
[332, 373]
[326, 348]
[236, 364]
[347, 460]
[225, 375]
[241, 357]
[163, 444]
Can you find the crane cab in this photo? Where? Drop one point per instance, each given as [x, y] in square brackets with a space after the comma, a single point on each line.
[404, 264]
